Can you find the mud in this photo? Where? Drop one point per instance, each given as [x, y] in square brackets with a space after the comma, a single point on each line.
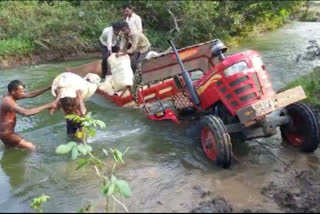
[211, 203]
[293, 190]
[295, 193]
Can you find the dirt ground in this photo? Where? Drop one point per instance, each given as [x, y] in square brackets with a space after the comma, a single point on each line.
[294, 191]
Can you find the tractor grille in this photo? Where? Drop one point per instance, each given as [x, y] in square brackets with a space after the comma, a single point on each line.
[238, 81]
[241, 90]
[248, 97]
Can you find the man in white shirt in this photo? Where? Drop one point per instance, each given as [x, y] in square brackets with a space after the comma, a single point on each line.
[133, 20]
[109, 41]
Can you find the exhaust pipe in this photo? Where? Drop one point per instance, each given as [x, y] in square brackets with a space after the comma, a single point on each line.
[186, 77]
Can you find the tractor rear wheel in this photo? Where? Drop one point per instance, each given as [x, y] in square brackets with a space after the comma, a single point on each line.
[303, 130]
[215, 141]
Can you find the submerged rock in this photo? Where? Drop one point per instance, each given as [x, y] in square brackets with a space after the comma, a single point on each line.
[312, 53]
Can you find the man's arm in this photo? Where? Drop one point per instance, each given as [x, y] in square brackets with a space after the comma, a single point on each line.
[103, 39]
[134, 44]
[35, 93]
[123, 43]
[57, 100]
[54, 110]
[33, 111]
[82, 106]
[109, 40]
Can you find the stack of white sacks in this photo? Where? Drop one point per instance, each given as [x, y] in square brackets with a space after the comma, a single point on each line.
[122, 76]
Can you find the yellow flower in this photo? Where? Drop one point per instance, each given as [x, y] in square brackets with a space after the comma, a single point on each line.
[79, 134]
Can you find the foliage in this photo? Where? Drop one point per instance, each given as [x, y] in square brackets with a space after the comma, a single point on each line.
[15, 47]
[74, 26]
[311, 85]
[111, 185]
[56, 25]
[37, 202]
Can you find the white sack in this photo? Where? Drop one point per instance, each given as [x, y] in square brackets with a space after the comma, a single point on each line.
[92, 78]
[122, 74]
[70, 83]
[151, 54]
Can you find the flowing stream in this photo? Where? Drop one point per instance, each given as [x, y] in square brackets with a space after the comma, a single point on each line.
[164, 166]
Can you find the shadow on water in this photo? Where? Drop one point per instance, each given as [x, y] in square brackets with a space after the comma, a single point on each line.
[13, 165]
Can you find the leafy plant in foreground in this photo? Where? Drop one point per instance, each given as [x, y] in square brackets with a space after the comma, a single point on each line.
[37, 202]
[111, 185]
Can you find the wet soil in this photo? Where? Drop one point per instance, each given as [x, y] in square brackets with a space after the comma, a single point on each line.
[293, 190]
[296, 192]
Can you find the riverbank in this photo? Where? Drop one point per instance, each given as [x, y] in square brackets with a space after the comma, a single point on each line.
[311, 84]
[292, 191]
[16, 61]
[38, 32]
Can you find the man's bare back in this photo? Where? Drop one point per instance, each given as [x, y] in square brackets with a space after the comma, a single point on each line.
[8, 110]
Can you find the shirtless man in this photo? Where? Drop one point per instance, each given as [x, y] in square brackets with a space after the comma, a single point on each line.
[8, 110]
[71, 105]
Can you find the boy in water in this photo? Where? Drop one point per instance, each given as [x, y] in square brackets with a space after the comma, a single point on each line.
[71, 105]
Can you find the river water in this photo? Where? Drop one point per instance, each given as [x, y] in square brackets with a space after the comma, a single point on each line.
[164, 166]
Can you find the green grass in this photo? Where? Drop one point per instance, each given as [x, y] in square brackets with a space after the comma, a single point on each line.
[15, 47]
[311, 84]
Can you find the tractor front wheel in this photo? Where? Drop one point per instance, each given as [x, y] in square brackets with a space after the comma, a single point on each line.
[303, 130]
[215, 140]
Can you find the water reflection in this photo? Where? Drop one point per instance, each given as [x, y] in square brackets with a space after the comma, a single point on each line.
[13, 165]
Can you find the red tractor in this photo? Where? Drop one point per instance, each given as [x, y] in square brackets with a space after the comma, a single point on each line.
[231, 96]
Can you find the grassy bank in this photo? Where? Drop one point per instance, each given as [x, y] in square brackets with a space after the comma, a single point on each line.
[66, 28]
[311, 84]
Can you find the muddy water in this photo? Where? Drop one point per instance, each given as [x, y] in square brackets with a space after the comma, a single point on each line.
[164, 166]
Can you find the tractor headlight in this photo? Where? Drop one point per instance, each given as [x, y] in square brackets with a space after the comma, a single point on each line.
[236, 68]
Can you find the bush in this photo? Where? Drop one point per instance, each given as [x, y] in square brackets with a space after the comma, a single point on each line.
[311, 85]
[73, 26]
[15, 47]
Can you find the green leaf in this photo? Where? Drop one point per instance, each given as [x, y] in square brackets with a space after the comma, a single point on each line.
[111, 189]
[117, 155]
[65, 148]
[82, 162]
[74, 153]
[88, 148]
[82, 149]
[86, 123]
[101, 124]
[124, 188]
[70, 116]
[92, 132]
[105, 188]
[113, 178]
